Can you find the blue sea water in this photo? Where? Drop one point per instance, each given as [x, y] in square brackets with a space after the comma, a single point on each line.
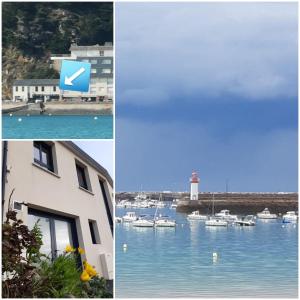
[57, 127]
[259, 261]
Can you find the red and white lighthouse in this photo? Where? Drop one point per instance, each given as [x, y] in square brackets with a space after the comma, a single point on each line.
[194, 186]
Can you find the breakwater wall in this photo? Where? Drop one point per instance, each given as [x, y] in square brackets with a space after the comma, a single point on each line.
[237, 203]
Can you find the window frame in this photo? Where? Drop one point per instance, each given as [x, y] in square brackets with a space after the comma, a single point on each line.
[44, 148]
[85, 176]
[103, 187]
[52, 217]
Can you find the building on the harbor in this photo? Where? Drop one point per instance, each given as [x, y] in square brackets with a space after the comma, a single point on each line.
[194, 186]
[68, 191]
[101, 84]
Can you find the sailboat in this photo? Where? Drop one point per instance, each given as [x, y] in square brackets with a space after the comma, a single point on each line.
[163, 221]
[213, 221]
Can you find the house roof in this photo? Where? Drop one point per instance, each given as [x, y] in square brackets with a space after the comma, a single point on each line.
[93, 47]
[34, 82]
[86, 158]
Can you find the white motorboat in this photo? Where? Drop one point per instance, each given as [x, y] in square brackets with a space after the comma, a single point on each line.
[195, 215]
[290, 217]
[165, 222]
[129, 217]
[246, 221]
[265, 214]
[225, 215]
[216, 222]
[173, 205]
[143, 223]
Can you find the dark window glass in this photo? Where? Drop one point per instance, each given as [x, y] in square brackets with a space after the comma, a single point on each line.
[108, 213]
[16, 88]
[43, 155]
[54, 89]
[91, 224]
[36, 88]
[43, 88]
[81, 177]
[22, 88]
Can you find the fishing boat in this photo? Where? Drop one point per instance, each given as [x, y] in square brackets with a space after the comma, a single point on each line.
[246, 221]
[265, 214]
[290, 217]
[129, 217]
[195, 215]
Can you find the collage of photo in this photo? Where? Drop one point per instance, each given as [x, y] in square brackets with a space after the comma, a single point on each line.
[149, 149]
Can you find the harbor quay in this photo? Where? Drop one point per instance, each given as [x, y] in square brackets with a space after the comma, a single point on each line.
[236, 202]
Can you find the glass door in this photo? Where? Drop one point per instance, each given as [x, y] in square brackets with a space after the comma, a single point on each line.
[58, 232]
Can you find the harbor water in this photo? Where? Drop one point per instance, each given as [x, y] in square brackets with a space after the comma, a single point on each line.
[57, 127]
[258, 261]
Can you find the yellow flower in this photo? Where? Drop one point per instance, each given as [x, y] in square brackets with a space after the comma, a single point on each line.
[80, 250]
[89, 269]
[85, 276]
[69, 249]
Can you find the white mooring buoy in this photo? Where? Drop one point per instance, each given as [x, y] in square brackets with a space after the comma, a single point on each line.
[10, 115]
[124, 247]
[215, 257]
[95, 118]
[20, 120]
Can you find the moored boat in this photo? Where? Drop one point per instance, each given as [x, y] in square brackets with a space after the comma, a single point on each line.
[129, 217]
[265, 214]
[290, 217]
[143, 223]
[216, 222]
[165, 222]
[195, 215]
[246, 221]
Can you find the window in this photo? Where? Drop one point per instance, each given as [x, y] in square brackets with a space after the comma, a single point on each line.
[101, 53]
[93, 71]
[93, 90]
[106, 61]
[43, 88]
[58, 231]
[94, 61]
[54, 89]
[94, 232]
[23, 88]
[85, 60]
[16, 88]
[36, 88]
[110, 81]
[107, 208]
[81, 176]
[43, 155]
[106, 71]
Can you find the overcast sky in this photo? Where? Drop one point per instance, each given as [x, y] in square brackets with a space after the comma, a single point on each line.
[210, 87]
[101, 151]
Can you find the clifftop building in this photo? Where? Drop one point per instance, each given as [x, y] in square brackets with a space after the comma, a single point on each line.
[101, 84]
